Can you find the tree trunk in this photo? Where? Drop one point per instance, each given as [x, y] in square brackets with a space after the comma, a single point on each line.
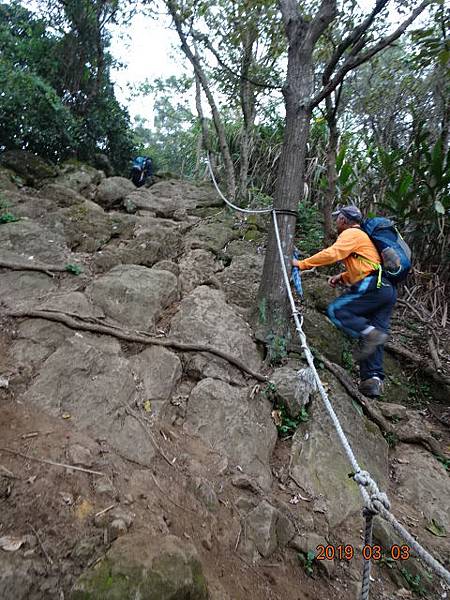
[330, 192]
[289, 192]
[302, 36]
[218, 124]
[247, 97]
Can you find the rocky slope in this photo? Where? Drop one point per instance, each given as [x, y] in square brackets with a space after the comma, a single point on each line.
[185, 490]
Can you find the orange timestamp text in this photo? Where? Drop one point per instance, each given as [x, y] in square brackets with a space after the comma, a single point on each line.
[368, 552]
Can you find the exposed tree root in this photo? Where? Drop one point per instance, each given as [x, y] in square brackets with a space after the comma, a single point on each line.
[47, 269]
[80, 323]
[369, 409]
[421, 362]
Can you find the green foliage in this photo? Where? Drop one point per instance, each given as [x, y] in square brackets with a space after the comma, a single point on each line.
[276, 348]
[444, 461]
[414, 582]
[307, 561]
[309, 231]
[288, 425]
[74, 269]
[57, 98]
[8, 218]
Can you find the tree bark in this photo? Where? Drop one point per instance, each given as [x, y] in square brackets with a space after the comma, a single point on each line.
[247, 97]
[218, 124]
[302, 37]
[331, 152]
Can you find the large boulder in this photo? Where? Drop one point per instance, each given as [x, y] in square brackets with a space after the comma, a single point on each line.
[212, 236]
[242, 429]
[86, 226]
[205, 318]
[19, 288]
[319, 464]
[134, 296]
[9, 180]
[266, 530]
[31, 239]
[60, 195]
[293, 388]
[112, 191]
[241, 280]
[36, 339]
[197, 267]
[423, 482]
[80, 177]
[31, 168]
[94, 392]
[159, 371]
[139, 566]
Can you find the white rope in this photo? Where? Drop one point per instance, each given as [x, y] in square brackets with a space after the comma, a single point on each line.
[375, 502]
[244, 210]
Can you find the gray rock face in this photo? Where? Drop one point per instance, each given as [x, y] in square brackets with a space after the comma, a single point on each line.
[27, 165]
[29, 238]
[267, 528]
[24, 287]
[241, 279]
[196, 266]
[60, 195]
[139, 566]
[81, 178]
[423, 482]
[243, 430]
[205, 318]
[96, 387]
[320, 465]
[159, 370]
[211, 236]
[113, 190]
[133, 295]
[144, 199]
[293, 389]
[36, 339]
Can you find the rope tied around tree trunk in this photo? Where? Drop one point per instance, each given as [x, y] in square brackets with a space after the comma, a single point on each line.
[375, 502]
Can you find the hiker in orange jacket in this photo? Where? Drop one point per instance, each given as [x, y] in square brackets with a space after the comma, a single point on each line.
[364, 310]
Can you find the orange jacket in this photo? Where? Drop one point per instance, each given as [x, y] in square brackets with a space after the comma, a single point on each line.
[350, 241]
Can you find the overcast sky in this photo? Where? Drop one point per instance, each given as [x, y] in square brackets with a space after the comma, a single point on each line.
[147, 51]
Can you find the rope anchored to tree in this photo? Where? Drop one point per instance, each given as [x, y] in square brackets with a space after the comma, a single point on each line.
[375, 501]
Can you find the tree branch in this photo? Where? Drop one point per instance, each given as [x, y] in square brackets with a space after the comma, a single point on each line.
[201, 37]
[354, 61]
[351, 39]
[324, 16]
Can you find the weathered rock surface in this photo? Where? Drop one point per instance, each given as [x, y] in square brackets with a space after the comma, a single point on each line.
[293, 388]
[197, 267]
[241, 280]
[19, 288]
[133, 295]
[29, 238]
[223, 416]
[112, 191]
[205, 318]
[138, 566]
[267, 529]
[159, 370]
[212, 236]
[60, 195]
[95, 390]
[30, 167]
[320, 466]
[80, 177]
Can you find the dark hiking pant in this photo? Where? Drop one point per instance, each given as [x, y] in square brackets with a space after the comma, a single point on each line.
[363, 305]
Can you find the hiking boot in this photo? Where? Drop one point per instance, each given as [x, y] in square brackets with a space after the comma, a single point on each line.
[372, 388]
[370, 342]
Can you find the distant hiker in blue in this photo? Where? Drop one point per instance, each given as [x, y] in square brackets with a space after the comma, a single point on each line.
[364, 310]
[141, 170]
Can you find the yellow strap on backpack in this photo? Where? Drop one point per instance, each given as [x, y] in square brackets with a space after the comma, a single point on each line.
[375, 266]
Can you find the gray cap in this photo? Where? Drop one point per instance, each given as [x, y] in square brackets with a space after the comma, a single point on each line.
[350, 212]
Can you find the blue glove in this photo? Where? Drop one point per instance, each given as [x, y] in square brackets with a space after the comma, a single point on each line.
[295, 276]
